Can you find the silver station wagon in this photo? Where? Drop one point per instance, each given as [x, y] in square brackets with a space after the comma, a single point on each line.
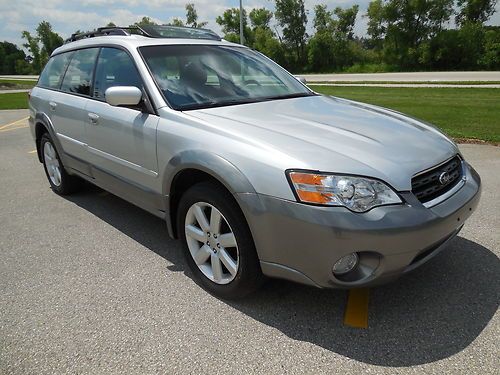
[254, 172]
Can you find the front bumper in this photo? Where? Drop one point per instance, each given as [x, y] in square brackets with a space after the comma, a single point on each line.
[300, 242]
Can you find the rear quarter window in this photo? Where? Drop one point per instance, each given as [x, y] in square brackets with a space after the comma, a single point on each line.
[52, 73]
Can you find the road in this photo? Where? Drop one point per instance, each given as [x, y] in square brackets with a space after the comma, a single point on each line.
[406, 77]
[91, 284]
[13, 91]
[18, 77]
[381, 77]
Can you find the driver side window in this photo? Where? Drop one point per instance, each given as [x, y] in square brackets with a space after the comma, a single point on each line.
[114, 68]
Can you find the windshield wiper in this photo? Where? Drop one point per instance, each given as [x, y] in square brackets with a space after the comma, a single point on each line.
[214, 104]
[290, 96]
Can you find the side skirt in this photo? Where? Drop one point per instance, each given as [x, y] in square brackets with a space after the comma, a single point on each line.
[140, 196]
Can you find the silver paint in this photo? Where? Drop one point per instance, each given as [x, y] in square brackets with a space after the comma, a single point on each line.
[248, 147]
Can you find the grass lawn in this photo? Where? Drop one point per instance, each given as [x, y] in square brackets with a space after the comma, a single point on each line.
[17, 100]
[14, 84]
[455, 83]
[460, 112]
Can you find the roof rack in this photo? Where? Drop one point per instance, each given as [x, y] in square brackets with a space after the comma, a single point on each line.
[182, 32]
[150, 31]
[107, 30]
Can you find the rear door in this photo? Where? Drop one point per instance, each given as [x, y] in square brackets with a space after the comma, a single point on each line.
[122, 141]
[67, 107]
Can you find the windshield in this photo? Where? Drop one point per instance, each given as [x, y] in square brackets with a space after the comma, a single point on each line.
[205, 76]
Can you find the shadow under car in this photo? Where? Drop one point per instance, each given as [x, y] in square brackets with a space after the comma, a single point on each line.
[429, 314]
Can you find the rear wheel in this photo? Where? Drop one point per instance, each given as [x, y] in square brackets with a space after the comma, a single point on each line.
[218, 244]
[60, 181]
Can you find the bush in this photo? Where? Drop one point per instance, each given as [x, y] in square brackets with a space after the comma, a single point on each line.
[372, 68]
[491, 55]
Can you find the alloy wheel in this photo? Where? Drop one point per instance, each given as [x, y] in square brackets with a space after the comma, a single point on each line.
[52, 164]
[212, 243]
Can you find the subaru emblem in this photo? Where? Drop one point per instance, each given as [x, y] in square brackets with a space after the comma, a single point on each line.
[444, 178]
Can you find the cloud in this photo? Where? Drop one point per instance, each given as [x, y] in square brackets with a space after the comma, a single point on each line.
[69, 16]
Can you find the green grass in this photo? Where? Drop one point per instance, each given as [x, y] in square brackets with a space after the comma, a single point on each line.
[455, 83]
[18, 100]
[462, 113]
[16, 84]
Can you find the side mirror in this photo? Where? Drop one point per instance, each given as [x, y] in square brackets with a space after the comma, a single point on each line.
[128, 96]
[301, 79]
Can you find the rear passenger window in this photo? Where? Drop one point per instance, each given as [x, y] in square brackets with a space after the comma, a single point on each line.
[52, 74]
[114, 68]
[78, 77]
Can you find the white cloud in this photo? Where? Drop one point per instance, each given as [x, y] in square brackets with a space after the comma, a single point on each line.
[68, 16]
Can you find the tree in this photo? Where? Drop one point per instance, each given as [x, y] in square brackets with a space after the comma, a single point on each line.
[192, 17]
[260, 17]
[34, 48]
[49, 39]
[453, 49]
[230, 23]
[265, 41]
[145, 21]
[41, 45]
[263, 38]
[230, 20]
[292, 17]
[10, 54]
[490, 58]
[376, 25]
[330, 47]
[322, 17]
[478, 11]
[176, 22]
[405, 25]
[345, 21]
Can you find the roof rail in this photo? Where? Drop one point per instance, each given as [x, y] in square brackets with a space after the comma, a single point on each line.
[150, 31]
[181, 32]
[107, 30]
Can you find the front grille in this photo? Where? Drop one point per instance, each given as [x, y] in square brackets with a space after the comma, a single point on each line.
[437, 181]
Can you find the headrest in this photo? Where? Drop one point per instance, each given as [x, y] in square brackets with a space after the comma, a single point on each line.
[193, 74]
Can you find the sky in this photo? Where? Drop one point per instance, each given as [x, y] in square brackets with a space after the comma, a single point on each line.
[67, 16]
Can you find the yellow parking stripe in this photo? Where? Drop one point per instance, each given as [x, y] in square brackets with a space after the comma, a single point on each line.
[356, 312]
[12, 123]
[13, 128]
[31, 152]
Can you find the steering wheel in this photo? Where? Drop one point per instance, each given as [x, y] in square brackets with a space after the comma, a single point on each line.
[251, 82]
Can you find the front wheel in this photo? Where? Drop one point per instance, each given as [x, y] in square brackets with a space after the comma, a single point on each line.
[218, 244]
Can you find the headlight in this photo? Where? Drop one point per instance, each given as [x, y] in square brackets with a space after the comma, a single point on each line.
[358, 194]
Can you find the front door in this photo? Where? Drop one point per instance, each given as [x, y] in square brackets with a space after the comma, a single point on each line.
[121, 141]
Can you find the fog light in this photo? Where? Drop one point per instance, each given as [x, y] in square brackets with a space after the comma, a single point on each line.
[345, 264]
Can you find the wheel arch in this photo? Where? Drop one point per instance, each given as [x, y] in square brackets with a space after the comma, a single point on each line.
[44, 125]
[191, 167]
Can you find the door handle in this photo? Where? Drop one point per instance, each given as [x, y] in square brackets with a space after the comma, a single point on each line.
[93, 118]
[53, 105]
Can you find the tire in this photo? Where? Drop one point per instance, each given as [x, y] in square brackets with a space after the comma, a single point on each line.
[246, 276]
[60, 181]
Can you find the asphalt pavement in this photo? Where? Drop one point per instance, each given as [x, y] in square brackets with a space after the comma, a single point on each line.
[396, 77]
[92, 284]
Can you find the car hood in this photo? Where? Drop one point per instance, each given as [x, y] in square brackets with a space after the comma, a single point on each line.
[337, 135]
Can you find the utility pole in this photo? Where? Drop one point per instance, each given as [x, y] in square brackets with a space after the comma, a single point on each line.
[242, 38]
